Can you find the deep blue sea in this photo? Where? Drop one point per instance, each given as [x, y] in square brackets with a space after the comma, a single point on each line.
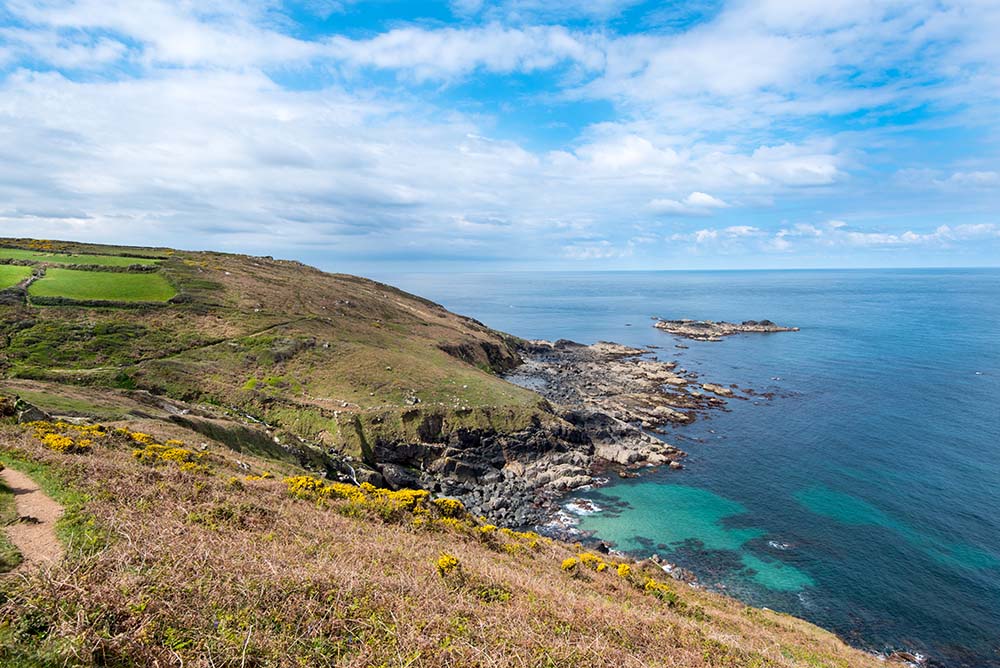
[865, 496]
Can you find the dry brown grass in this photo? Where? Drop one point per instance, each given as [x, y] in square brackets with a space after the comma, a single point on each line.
[206, 571]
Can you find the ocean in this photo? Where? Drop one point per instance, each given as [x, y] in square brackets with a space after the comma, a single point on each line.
[864, 496]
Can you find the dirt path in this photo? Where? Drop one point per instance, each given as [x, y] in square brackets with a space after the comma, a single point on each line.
[34, 535]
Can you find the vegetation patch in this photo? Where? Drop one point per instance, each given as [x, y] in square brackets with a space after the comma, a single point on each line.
[49, 341]
[67, 403]
[169, 452]
[102, 286]
[74, 258]
[67, 438]
[11, 275]
[237, 570]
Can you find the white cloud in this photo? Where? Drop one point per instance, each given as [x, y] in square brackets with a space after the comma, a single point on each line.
[544, 10]
[449, 52]
[832, 235]
[964, 181]
[695, 204]
[839, 234]
[979, 179]
[223, 33]
[70, 52]
[727, 235]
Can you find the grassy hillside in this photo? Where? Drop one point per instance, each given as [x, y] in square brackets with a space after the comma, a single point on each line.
[276, 340]
[183, 552]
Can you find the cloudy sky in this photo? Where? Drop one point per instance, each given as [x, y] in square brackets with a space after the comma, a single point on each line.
[523, 134]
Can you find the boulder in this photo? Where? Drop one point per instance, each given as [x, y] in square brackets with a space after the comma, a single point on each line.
[396, 477]
[29, 413]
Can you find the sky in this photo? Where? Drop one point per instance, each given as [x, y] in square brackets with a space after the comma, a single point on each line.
[383, 135]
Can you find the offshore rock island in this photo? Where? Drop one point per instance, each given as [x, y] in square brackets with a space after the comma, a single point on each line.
[707, 330]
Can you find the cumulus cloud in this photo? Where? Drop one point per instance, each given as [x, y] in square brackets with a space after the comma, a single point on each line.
[248, 162]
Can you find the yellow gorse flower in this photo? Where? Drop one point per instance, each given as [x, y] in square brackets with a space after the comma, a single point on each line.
[447, 565]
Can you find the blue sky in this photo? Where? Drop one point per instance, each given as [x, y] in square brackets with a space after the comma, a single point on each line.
[521, 134]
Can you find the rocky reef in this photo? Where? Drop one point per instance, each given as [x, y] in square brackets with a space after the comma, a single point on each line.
[707, 330]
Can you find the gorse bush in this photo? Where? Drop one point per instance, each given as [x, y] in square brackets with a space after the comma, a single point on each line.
[66, 437]
[154, 453]
[450, 507]
[448, 565]
[414, 507]
[660, 590]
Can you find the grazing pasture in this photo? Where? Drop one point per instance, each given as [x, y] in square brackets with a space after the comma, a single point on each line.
[102, 286]
[11, 275]
[73, 258]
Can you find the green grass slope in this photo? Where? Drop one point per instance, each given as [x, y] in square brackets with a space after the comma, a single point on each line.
[10, 558]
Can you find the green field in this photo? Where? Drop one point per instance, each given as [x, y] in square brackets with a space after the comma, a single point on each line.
[68, 258]
[102, 286]
[11, 275]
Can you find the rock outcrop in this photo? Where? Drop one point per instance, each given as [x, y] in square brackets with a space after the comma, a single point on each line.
[612, 379]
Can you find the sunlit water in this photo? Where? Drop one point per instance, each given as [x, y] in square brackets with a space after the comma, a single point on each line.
[865, 496]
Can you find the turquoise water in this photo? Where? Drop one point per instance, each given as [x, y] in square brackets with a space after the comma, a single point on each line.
[864, 496]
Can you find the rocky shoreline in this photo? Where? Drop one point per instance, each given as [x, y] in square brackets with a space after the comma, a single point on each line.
[708, 330]
[616, 381]
[616, 397]
[603, 405]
